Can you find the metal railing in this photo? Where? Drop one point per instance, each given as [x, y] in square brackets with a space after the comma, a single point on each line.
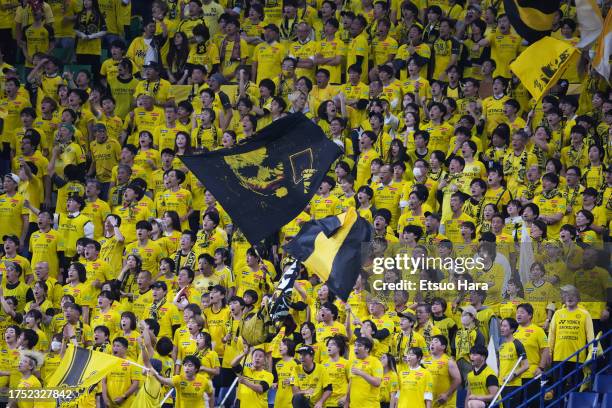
[560, 392]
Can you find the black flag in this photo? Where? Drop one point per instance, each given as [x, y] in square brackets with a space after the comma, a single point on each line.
[266, 181]
[532, 19]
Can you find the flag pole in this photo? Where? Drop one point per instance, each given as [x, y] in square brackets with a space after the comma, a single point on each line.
[166, 397]
[229, 391]
[506, 381]
[231, 388]
[135, 364]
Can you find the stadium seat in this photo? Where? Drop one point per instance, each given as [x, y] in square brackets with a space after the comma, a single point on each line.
[62, 54]
[603, 383]
[135, 28]
[583, 400]
[606, 402]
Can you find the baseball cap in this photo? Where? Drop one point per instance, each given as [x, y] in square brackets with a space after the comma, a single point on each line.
[78, 199]
[13, 177]
[306, 350]
[159, 285]
[99, 126]
[68, 126]
[11, 238]
[218, 77]
[152, 64]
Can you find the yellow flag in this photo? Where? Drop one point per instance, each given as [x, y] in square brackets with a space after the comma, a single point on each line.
[542, 64]
[82, 368]
[180, 93]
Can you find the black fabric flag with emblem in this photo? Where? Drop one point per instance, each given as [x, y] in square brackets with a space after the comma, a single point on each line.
[266, 181]
[532, 19]
[332, 248]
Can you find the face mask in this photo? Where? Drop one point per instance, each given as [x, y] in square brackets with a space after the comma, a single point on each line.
[56, 345]
[417, 172]
[286, 73]
[199, 39]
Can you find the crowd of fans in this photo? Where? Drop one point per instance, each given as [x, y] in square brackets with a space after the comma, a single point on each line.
[111, 243]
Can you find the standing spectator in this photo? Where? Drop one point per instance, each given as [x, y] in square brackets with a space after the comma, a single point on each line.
[483, 383]
[311, 383]
[90, 27]
[571, 329]
[415, 382]
[366, 376]
[13, 213]
[39, 38]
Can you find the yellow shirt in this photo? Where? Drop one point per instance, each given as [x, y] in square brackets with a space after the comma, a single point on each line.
[366, 395]
[452, 226]
[12, 212]
[110, 319]
[439, 135]
[364, 171]
[329, 49]
[106, 156]
[37, 40]
[504, 49]
[338, 373]
[112, 253]
[570, 331]
[216, 324]
[179, 201]
[130, 215]
[415, 386]
[359, 47]
[159, 90]
[534, 340]
[284, 393]
[381, 50]
[540, 297]
[323, 207]
[492, 110]
[124, 93]
[244, 394]
[509, 352]
[120, 378]
[313, 383]
[97, 212]
[304, 51]
[43, 246]
[82, 293]
[269, 58]
[11, 109]
[438, 368]
[480, 381]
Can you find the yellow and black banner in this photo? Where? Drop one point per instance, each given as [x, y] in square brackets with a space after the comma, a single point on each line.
[331, 248]
[82, 368]
[542, 64]
[532, 19]
[266, 181]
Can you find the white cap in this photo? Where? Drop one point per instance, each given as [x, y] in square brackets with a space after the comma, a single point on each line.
[13, 177]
